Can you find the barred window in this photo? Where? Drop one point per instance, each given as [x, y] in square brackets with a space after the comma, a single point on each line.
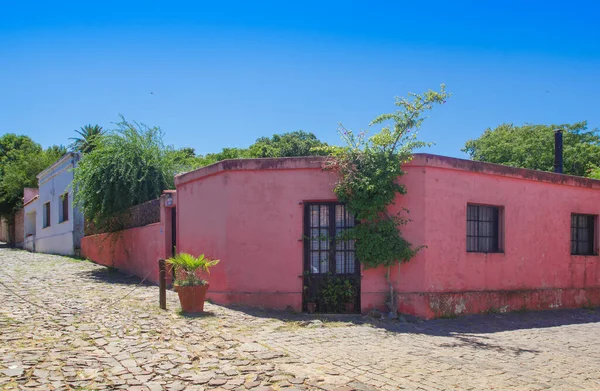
[326, 251]
[63, 208]
[483, 228]
[583, 234]
[46, 215]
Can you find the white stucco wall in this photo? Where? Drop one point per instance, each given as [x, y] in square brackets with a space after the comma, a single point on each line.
[58, 237]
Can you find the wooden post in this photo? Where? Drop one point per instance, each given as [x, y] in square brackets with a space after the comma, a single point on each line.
[162, 298]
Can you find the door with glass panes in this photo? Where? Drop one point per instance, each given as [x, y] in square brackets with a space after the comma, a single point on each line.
[328, 259]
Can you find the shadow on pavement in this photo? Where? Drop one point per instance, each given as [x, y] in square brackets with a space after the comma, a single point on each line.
[110, 276]
[464, 325]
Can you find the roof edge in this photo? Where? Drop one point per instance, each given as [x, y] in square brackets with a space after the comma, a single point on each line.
[419, 159]
[31, 200]
[62, 159]
[280, 163]
[430, 160]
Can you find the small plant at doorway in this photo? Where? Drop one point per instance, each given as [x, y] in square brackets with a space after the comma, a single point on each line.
[339, 295]
[368, 169]
[311, 300]
[191, 288]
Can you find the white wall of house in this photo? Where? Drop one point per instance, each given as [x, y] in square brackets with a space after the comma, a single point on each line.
[56, 235]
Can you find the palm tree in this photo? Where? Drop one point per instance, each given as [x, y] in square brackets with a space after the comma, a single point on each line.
[89, 136]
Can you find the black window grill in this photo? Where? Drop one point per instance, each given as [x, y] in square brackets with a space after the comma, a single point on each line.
[64, 207]
[46, 218]
[327, 253]
[582, 234]
[483, 229]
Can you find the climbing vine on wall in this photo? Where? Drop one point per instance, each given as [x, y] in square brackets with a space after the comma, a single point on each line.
[368, 169]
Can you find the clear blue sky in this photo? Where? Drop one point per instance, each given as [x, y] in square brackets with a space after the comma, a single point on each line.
[224, 73]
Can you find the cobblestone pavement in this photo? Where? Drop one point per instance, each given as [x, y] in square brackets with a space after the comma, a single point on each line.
[76, 334]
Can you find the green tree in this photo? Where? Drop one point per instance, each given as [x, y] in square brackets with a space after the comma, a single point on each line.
[532, 146]
[226, 153]
[128, 166]
[12, 145]
[89, 137]
[368, 169]
[21, 171]
[298, 143]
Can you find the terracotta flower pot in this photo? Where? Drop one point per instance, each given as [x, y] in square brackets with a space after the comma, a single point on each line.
[192, 297]
[311, 307]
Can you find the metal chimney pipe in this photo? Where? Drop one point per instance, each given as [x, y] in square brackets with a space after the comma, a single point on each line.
[558, 151]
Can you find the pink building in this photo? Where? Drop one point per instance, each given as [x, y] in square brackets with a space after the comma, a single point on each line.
[498, 238]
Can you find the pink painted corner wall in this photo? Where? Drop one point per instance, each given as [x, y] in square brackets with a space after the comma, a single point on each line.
[252, 220]
[249, 214]
[134, 251]
[535, 270]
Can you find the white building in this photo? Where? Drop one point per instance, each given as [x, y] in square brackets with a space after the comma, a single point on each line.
[52, 224]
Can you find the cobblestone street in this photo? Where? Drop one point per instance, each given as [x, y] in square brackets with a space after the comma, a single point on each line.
[86, 327]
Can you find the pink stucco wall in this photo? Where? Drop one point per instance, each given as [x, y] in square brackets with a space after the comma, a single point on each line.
[249, 214]
[134, 251]
[536, 269]
[137, 250]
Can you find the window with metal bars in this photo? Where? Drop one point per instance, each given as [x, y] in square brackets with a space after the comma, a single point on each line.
[63, 208]
[46, 216]
[583, 237]
[483, 229]
[326, 252]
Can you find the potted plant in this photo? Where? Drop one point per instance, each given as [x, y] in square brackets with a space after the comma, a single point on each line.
[311, 301]
[339, 295]
[348, 294]
[190, 288]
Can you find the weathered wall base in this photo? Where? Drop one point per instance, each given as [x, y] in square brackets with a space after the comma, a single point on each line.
[270, 300]
[444, 304]
[61, 244]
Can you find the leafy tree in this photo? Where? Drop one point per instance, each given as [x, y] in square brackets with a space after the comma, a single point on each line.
[188, 152]
[128, 166]
[368, 169]
[532, 146]
[57, 150]
[21, 171]
[226, 153]
[298, 143]
[12, 145]
[186, 157]
[89, 137]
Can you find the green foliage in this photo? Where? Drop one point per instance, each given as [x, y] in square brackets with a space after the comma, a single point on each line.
[226, 153]
[379, 242]
[368, 170]
[12, 145]
[188, 266]
[532, 146]
[89, 137]
[593, 172]
[21, 160]
[336, 292]
[128, 166]
[298, 143]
